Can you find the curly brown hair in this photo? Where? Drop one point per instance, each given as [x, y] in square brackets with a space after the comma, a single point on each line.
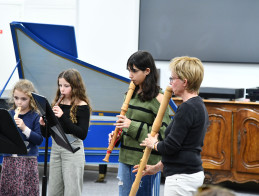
[78, 92]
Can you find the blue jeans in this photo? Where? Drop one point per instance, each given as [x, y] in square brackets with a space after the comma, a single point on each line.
[126, 179]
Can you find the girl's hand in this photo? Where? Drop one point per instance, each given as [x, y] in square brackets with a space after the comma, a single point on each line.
[57, 111]
[19, 122]
[149, 141]
[122, 122]
[41, 121]
[110, 137]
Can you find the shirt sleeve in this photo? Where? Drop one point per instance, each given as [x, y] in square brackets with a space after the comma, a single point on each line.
[27, 132]
[35, 136]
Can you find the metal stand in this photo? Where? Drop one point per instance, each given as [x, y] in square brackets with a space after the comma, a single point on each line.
[44, 177]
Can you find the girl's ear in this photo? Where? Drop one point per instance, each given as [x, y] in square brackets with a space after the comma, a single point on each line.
[147, 71]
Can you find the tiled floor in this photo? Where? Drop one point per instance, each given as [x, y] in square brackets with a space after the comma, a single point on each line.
[110, 186]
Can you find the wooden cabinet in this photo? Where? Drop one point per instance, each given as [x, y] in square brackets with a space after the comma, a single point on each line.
[231, 144]
[246, 140]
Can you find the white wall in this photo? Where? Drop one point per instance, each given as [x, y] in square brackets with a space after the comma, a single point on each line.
[61, 12]
[9, 11]
[107, 34]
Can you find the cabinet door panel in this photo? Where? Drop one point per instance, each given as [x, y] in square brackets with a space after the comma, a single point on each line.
[216, 152]
[247, 141]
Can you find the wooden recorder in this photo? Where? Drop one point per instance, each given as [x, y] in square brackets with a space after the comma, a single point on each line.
[155, 129]
[17, 112]
[124, 109]
[61, 97]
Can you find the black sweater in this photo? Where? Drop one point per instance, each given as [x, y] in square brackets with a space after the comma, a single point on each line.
[79, 129]
[184, 139]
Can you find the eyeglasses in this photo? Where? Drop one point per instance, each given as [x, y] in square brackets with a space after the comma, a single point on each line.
[171, 79]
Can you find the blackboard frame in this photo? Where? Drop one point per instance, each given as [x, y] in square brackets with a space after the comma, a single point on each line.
[212, 30]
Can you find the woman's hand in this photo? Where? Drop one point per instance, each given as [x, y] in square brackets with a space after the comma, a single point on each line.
[57, 111]
[149, 169]
[149, 141]
[19, 122]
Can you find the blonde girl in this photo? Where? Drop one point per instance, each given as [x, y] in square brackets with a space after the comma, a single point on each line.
[20, 172]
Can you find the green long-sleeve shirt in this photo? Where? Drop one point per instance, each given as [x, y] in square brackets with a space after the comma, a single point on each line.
[142, 116]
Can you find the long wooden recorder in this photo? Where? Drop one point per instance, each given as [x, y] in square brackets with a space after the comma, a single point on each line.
[155, 129]
[124, 109]
[17, 112]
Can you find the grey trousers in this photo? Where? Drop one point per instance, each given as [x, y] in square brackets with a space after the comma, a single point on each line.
[66, 170]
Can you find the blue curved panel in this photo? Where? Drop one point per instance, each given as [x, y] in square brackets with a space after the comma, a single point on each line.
[60, 37]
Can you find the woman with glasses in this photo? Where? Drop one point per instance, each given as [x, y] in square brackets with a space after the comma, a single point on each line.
[181, 159]
[137, 123]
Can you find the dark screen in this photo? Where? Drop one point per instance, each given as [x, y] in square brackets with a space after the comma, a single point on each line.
[212, 30]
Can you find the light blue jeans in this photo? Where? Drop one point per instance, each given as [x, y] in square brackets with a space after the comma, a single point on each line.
[126, 179]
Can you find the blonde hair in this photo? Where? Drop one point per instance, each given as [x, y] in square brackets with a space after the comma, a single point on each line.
[78, 91]
[189, 68]
[27, 88]
[212, 190]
